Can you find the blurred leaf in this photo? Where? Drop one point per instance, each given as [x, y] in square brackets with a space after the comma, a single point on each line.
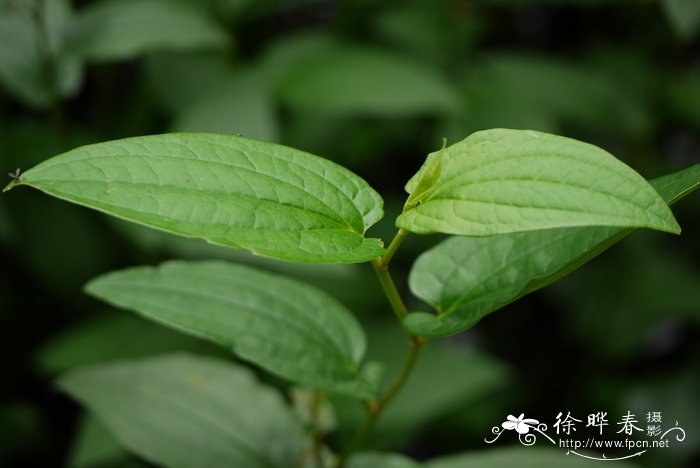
[675, 395]
[350, 80]
[110, 337]
[452, 375]
[240, 105]
[684, 96]
[684, 16]
[177, 79]
[123, 29]
[248, 311]
[512, 90]
[182, 410]
[21, 425]
[283, 57]
[501, 181]
[433, 30]
[94, 446]
[383, 460]
[34, 63]
[76, 250]
[466, 278]
[286, 204]
[522, 457]
[654, 290]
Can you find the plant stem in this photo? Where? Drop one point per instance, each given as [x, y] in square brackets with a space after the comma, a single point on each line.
[381, 267]
[317, 435]
[394, 246]
[315, 452]
[376, 407]
[390, 291]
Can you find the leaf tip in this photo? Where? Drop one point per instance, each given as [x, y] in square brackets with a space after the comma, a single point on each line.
[11, 185]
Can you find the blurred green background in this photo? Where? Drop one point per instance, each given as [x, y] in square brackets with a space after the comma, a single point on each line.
[374, 86]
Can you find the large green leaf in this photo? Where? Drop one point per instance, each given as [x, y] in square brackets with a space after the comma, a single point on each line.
[501, 181]
[182, 410]
[467, 278]
[230, 190]
[121, 29]
[288, 327]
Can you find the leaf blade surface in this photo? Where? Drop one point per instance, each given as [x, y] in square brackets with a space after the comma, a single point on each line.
[285, 326]
[233, 191]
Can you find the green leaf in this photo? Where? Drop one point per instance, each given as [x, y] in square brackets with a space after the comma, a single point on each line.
[182, 410]
[122, 29]
[177, 79]
[683, 97]
[240, 105]
[27, 46]
[547, 93]
[93, 445]
[349, 80]
[233, 191]
[111, 337]
[502, 181]
[522, 457]
[467, 278]
[684, 16]
[655, 290]
[285, 326]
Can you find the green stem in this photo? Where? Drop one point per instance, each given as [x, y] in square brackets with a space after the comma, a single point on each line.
[394, 246]
[315, 452]
[381, 267]
[414, 346]
[390, 291]
[376, 407]
[317, 435]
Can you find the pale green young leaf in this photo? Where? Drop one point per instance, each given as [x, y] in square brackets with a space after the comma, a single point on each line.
[229, 190]
[182, 410]
[122, 29]
[285, 326]
[502, 181]
[467, 278]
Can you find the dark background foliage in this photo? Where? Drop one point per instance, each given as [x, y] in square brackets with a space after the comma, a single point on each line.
[374, 86]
